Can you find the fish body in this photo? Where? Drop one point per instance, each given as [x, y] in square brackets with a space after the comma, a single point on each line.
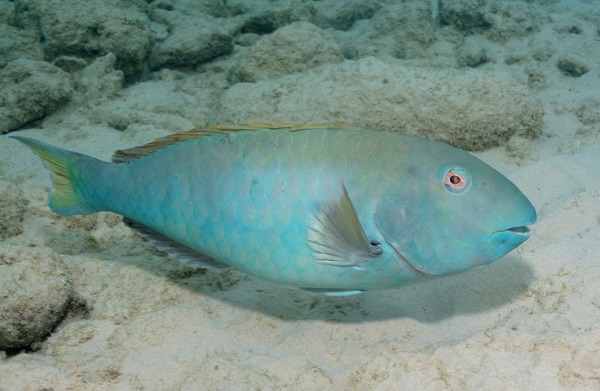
[322, 208]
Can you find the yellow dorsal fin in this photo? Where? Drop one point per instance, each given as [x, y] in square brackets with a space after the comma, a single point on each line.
[127, 155]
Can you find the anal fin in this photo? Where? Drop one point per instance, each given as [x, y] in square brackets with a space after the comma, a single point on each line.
[334, 292]
[182, 253]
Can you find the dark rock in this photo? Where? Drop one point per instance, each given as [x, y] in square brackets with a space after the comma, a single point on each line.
[572, 66]
[31, 90]
[498, 20]
[468, 109]
[34, 295]
[192, 42]
[89, 29]
[293, 48]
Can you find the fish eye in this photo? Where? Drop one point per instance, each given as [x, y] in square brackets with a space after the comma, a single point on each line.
[457, 180]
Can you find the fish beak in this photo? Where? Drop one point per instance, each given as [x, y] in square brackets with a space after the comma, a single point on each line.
[521, 231]
[509, 238]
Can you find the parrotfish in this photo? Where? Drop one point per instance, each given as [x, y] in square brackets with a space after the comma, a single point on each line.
[326, 208]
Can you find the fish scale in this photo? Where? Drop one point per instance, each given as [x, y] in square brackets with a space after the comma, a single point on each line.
[324, 208]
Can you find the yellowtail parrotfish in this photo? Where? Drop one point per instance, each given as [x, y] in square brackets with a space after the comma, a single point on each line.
[326, 208]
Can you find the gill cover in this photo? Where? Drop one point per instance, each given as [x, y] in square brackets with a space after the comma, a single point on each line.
[396, 219]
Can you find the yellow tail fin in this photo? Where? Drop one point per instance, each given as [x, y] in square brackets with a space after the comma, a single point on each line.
[63, 166]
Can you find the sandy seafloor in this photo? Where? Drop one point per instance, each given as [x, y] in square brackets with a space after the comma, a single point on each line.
[530, 321]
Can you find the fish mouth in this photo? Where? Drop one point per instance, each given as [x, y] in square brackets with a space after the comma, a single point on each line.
[521, 230]
[518, 233]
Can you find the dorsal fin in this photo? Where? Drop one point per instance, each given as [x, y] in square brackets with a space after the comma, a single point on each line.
[127, 155]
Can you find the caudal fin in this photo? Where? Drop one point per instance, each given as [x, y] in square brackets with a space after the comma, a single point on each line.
[64, 167]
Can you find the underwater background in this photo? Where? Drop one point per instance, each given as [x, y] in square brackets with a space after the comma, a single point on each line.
[86, 304]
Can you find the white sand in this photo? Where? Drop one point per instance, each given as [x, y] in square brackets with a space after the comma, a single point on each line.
[530, 321]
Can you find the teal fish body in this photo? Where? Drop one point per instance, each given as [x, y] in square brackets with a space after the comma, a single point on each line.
[325, 209]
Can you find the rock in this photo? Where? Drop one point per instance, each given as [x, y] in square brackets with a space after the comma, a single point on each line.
[472, 110]
[333, 14]
[537, 78]
[588, 111]
[473, 52]
[572, 66]
[192, 42]
[31, 89]
[12, 209]
[155, 104]
[270, 19]
[94, 85]
[86, 29]
[100, 81]
[541, 49]
[70, 64]
[34, 295]
[16, 43]
[569, 25]
[293, 48]
[341, 15]
[465, 15]
[403, 30]
[7, 10]
[498, 20]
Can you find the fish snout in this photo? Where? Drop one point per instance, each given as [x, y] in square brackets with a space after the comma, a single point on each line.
[522, 230]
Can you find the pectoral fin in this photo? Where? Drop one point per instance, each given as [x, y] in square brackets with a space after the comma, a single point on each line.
[337, 237]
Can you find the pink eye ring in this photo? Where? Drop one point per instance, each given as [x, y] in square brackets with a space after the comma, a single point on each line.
[457, 180]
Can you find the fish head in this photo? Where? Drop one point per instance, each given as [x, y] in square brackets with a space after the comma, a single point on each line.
[449, 212]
